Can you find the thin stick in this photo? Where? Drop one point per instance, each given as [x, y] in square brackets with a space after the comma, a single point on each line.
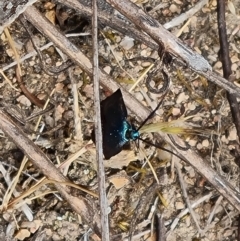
[183, 17]
[98, 129]
[12, 45]
[34, 53]
[29, 95]
[226, 62]
[186, 197]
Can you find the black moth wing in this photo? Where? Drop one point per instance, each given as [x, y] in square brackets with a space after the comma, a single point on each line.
[113, 116]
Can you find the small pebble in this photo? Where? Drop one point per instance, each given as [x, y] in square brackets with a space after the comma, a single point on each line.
[199, 146]
[232, 134]
[144, 53]
[31, 63]
[179, 205]
[10, 52]
[146, 64]
[174, 8]
[218, 65]
[24, 100]
[234, 67]
[188, 221]
[214, 3]
[224, 139]
[118, 39]
[212, 58]
[234, 59]
[139, 96]
[213, 112]
[58, 63]
[192, 142]
[107, 69]
[176, 111]
[119, 55]
[190, 171]
[228, 232]
[205, 143]
[191, 106]
[196, 118]
[127, 43]
[182, 97]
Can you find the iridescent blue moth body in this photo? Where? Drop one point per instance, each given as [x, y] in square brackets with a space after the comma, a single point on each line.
[116, 130]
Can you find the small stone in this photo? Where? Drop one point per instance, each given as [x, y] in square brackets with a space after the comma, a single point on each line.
[182, 98]
[178, 2]
[205, 143]
[192, 142]
[188, 221]
[139, 96]
[213, 112]
[59, 87]
[24, 100]
[196, 118]
[174, 8]
[232, 134]
[212, 58]
[10, 52]
[190, 171]
[214, 3]
[107, 69]
[31, 63]
[144, 53]
[3, 37]
[218, 65]
[234, 67]
[234, 59]
[127, 43]
[59, 63]
[118, 39]
[146, 64]
[224, 139]
[77, 71]
[228, 232]
[119, 55]
[49, 121]
[179, 205]
[191, 106]
[199, 146]
[176, 111]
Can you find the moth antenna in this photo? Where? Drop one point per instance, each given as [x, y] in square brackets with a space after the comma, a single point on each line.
[160, 147]
[158, 105]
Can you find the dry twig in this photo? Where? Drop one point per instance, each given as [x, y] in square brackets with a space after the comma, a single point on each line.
[98, 129]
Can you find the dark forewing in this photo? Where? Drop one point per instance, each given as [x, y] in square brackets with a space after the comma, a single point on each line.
[113, 116]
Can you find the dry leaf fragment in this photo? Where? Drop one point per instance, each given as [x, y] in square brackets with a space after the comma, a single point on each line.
[119, 180]
[58, 112]
[231, 7]
[50, 13]
[59, 87]
[121, 160]
[33, 226]
[24, 100]
[22, 234]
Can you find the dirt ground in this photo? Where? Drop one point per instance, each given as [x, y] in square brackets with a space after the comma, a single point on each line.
[66, 129]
